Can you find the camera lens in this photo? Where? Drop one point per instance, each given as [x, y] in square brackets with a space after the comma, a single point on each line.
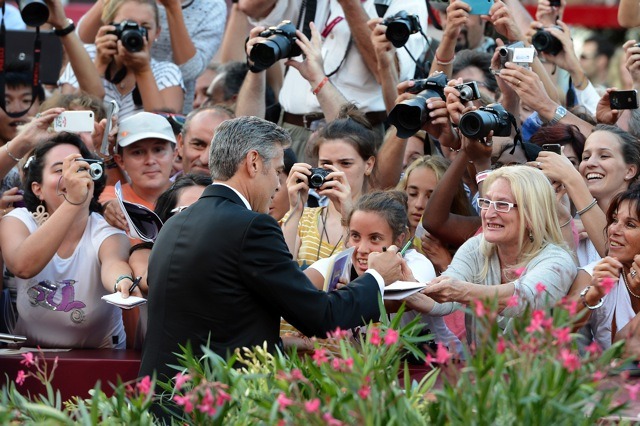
[95, 171]
[398, 33]
[265, 54]
[466, 93]
[34, 13]
[545, 42]
[316, 180]
[478, 124]
[132, 40]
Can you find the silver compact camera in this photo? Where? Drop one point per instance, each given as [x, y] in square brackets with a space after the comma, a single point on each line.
[518, 54]
[96, 169]
[468, 91]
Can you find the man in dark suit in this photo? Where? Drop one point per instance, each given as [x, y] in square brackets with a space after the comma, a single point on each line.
[220, 271]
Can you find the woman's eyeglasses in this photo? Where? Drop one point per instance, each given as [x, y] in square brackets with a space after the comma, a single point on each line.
[499, 206]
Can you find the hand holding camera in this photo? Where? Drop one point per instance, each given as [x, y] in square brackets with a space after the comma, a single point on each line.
[400, 27]
[311, 68]
[279, 43]
[632, 54]
[75, 186]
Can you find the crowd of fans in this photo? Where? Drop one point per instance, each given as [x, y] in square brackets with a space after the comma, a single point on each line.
[510, 171]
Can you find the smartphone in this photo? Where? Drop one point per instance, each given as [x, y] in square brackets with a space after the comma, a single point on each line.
[554, 3]
[74, 122]
[552, 147]
[479, 7]
[623, 99]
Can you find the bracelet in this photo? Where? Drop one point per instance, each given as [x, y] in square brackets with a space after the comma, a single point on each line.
[584, 79]
[120, 278]
[320, 86]
[566, 223]
[441, 62]
[13, 157]
[480, 176]
[61, 32]
[586, 209]
[583, 294]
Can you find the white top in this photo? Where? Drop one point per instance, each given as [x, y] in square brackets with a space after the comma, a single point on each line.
[353, 78]
[60, 306]
[166, 75]
[616, 304]
[586, 253]
[424, 272]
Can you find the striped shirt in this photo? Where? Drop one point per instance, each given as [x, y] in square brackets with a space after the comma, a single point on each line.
[310, 238]
[165, 73]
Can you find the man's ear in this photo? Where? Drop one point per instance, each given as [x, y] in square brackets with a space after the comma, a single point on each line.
[180, 145]
[252, 163]
[118, 159]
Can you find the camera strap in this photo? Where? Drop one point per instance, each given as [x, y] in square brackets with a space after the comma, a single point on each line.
[518, 136]
[119, 75]
[35, 74]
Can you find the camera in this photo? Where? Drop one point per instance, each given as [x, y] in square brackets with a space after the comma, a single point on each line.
[34, 13]
[478, 124]
[131, 34]
[545, 42]
[318, 177]
[96, 169]
[517, 53]
[623, 99]
[280, 43]
[400, 26]
[468, 91]
[409, 116]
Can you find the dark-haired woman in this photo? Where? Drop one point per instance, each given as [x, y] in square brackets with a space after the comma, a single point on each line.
[64, 254]
[609, 290]
[566, 135]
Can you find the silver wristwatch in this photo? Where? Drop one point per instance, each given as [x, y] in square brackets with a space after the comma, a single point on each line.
[583, 294]
[559, 115]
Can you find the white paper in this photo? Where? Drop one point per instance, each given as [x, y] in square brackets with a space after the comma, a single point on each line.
[134, 232]
[128, 303]
[402, 289]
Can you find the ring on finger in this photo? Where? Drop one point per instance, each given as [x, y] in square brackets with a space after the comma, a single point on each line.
[633, 273]
[538, 164]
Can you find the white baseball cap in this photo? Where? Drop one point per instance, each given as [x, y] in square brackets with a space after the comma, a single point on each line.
[144, 125]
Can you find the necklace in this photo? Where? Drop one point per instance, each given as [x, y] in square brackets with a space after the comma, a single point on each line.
[624, 278]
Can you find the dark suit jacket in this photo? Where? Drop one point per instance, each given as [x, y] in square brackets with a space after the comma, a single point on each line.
[220, 269]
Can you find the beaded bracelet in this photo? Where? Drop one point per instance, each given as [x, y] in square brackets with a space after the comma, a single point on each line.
[13, 157]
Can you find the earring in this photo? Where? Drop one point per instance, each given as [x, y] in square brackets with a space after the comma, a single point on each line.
[40, 215]
[530, 235]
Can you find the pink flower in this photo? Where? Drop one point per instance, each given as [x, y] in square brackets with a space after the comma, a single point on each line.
[28, 359]
[375, 337]
[335, 364]
[181, 379]
[330, 420]
[570, 305]
[320, 356]
[21, 377]
[338, 333]
[348, 363]
[501, 346]
[540, 288]
[598, 375]
[283, 401]
[538, 321]
[633, 391]
[207, 406]
[391, 337]
[513, 301]
[144, 385]
[296, 374]
[442, 354]
[562, 334]
[593, 348]
[570, 361]
[519, 271]
[364, 391]
[607, 284]
[185, 401]
[312, 406]
[479, 307]
[222, 397]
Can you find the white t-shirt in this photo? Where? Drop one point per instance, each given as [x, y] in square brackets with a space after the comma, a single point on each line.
[423, 271]
[61, 305]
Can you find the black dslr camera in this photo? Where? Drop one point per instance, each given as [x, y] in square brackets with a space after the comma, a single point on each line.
[400, 26]
[96, 169]
[33, 12]
[478, 124]
[280, 43]
[409, 116]
[131, 34]
[318, 177]
[545, 42]
[468, 91]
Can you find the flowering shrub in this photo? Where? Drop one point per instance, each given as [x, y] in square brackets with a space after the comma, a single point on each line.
[531, 375]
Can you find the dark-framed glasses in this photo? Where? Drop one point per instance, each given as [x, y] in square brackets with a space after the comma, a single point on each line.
[499, 206]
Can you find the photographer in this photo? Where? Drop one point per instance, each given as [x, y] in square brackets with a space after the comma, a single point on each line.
[130, 76]
[349, 59]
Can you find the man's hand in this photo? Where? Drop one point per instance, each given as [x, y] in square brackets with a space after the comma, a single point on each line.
[388, 264]
[114, 216]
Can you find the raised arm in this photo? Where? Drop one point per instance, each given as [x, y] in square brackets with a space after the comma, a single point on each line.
[629, 13]
[357, 19]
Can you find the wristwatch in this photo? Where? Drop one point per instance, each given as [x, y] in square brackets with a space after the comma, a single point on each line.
[583, 294]
[61, 32]
[559, 115]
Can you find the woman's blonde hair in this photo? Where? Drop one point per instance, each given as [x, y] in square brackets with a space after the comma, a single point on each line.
[111, 8]
[536, 209]
[439, 166]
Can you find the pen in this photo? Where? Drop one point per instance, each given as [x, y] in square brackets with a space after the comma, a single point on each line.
[406, 247]
[135, 284]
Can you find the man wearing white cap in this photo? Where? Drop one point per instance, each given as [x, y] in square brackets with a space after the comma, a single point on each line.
[145, 151]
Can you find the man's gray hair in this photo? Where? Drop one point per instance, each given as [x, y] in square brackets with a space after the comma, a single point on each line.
[235, 138]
